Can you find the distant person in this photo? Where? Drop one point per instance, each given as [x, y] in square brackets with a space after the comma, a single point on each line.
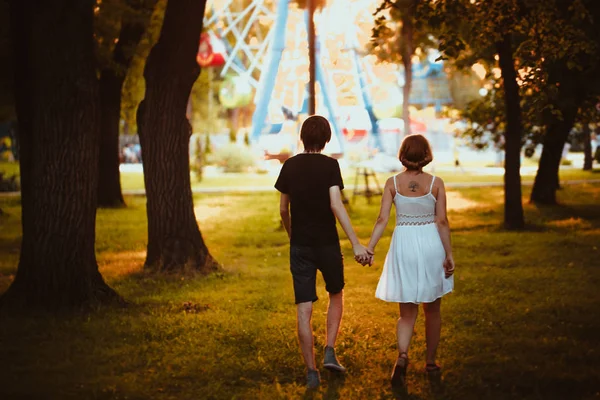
[456, 154]
[419, 265]
[129, 154]
[137, 150]
[311, 183]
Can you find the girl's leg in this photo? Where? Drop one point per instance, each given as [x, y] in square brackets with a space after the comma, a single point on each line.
[433, 328]
[405, 326]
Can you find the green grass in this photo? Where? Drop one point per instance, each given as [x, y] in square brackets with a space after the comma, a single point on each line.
[522, 323]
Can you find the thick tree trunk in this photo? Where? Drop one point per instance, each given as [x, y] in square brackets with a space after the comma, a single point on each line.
[312, 52]
[588, 157]
[546, 181]
[111, 86]
[174, 240]
[513, 205]
[57, 108]
[407, 48]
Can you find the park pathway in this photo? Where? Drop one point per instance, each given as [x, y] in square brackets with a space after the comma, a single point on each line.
[348, 188]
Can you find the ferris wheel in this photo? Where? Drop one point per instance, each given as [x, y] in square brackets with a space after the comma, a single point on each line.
[265, 50]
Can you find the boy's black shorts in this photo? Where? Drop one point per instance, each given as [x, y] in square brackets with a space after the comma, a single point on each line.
[304, 262]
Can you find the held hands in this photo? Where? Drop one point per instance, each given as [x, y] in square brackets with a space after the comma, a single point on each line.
[449, 266]
[363, 255]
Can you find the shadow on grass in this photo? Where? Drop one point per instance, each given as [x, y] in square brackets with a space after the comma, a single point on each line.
[589, 212]
[335, 383]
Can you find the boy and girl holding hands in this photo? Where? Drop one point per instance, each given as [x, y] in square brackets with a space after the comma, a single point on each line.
[419, 265]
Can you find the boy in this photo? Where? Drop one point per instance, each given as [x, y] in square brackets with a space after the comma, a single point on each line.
[311, 183]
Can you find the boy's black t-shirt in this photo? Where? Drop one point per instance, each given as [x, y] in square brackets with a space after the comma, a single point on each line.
[306, 178]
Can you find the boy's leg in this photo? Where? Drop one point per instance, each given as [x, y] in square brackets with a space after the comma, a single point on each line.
[304, 274]
[305, 334]
[332, 267]
[334, 316]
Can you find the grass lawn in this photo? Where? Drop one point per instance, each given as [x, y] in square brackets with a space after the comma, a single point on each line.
[523, 322]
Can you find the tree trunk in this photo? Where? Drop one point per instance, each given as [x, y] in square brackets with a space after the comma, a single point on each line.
[174, 240]
[111, 86]
[513, 205]
[312, 51]
[109, 178]
[546, 181]
[407, 50]
[57, 108]
[587, 148]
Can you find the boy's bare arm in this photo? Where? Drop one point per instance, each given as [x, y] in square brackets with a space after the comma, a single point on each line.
[335, 198]
[284, 211]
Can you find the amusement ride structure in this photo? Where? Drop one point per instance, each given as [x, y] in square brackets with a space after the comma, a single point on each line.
[261, 51]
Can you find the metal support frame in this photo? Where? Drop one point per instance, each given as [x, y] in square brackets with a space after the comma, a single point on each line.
[271, 46]
[268, 77]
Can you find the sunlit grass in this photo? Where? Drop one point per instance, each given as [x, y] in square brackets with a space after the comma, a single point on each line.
[522, 322]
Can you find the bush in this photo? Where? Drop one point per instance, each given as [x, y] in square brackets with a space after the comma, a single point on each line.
[566, 162]
[232, 158]
[8, 184]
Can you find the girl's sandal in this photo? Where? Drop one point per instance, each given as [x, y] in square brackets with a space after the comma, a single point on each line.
[399, 373]
[432, 368]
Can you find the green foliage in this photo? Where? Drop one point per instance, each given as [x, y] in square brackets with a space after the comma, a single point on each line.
[110, 16]
[199, 154]
[207, 144]
[9, 183]
[387, 41]
[556, 47]
[233, 158]
[519, 324]
[134, 86]
[206, 109]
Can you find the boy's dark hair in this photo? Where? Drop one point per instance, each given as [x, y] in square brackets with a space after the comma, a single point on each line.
[315, 133]
[415, 152]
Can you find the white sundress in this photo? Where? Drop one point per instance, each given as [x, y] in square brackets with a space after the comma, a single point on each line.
[413, 271]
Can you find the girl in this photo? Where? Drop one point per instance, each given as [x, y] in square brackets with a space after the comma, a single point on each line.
[419, 264]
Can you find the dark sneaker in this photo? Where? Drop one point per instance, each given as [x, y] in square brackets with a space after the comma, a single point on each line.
[330, 361]
[313, 380]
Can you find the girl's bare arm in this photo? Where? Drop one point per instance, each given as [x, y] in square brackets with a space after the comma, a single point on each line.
[443, 226]
[384, 214]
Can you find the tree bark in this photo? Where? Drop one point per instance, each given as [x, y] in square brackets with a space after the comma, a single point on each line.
[407, 50]
[587, 148]
[174, 239]
[513, 205]
[111, 86]
[547, 181]
[57, 108]
[312, 52]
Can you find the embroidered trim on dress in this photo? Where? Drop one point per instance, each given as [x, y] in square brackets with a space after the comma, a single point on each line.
[416, 216]
[412, 223]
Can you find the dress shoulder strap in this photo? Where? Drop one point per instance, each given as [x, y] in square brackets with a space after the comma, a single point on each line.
[395, 186]
[431, 187]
